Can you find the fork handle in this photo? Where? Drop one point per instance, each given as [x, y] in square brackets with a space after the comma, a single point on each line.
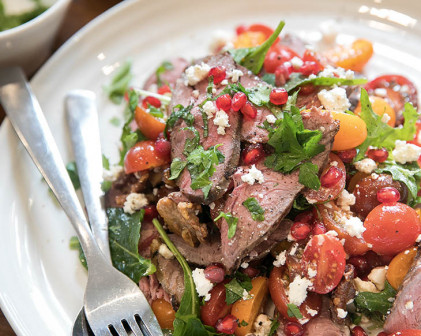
[26, 116]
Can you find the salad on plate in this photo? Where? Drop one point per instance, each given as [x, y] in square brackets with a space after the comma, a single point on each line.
[270, 188]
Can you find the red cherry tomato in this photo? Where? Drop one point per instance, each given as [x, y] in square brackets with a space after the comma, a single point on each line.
[278, 294]
[216, 308]
[142, 156]
[311, 56]
[391, 228]
[407, 332]
[417, 136]
[326, 255]
[257, 27]
[277, 55]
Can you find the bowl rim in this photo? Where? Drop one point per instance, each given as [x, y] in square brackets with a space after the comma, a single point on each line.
[55, 7]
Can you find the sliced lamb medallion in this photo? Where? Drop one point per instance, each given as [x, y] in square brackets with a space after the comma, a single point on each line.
[275, 195]
[169, 76]
[170, 275]
[401, 317]
[230, 141]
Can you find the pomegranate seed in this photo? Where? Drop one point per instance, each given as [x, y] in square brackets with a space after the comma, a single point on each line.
[249, 111]
[362, 268]
[164, 89]
[150, 212]
[251, 272]
[378, 155]
[358, 331]
[307, 89]
[305, 217]
[319, 228]
[238, 101]
[155, 102]
[219, 73]
[240, 29]
[227, 325]
[224, 102]
[215, 273]
[309, 68]
[373, 259]
[282, 74]
[347, 155]
[388, 195]
[278, 96]
[293, 329]
[253, 154]
[163, 148]
[331, 177]
[300, 230]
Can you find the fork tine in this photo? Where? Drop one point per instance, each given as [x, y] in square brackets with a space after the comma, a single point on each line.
[103, 332]
[135, 327]
[119, 328]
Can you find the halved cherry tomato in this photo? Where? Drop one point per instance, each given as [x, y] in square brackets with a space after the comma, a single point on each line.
[148, 124]
[353, 245]
[279, 297]
[391, 228]
[352, 131]
[142, 156]
[380, 107]
[216, 308]
[249, 39]
[277, 55]
[399, 267]
[417, 136]
[325, 254]
[164, 313]
[352, 57]
[325, 194]
[312, 56]
[407, 332]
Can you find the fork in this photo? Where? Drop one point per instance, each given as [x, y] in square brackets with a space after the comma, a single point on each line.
[112, 301]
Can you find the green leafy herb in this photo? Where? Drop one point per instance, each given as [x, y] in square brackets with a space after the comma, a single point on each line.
[243, 324]
[177, 166]
[380, 134]
[297, 80]
[231, 221]
[119, 83]
[294, 145]
[301, 203]
[105, 162]
[187, 321]
[368, 302]
[205, 124]
[115, 121]
[74, 244]
[191, 143]
[209, 89]
[165, 66]
[269, 78]
[180, 112]
[236, 287]
[105, 185]
[256, 211]
[124, 235]
[253, 58]
[309, 175]
[259, 95]
[73, 174]
[155, 111]
[294, 311]
[274, 326]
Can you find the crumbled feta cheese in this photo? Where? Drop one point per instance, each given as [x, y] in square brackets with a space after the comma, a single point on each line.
[332, 72]
[405, 152]
[220, 39]
[203, 285]
[294, 249]
[271, 119]
[235, 75]
[134, 202]
[222, 121]
[210, 109]
[342, 313]
[418, 239]
[195, 73]
[335, 99]
[312, 76]
[262, 325]
[328, 30]
[112, 174]
[224, 82]
[311, 273]
[365, 286]
[155, 191]
[195, 93]
[385, 118]
[409, 305]
[244, 265]
[354, 227]
[297, 290]
[246, 295]
[165, 251]
[378, 277]
[380, 92]
[345, 200]
[311, 312]
[366, 165]
[296, 62]
[332, 233]
[280, 259]
[254, 175]
[212, 205]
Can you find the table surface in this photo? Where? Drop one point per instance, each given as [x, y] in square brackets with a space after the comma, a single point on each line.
[79, 14]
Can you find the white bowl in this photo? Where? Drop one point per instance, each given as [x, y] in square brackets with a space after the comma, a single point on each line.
[29, 44]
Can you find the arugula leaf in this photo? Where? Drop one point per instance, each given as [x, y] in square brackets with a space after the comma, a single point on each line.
[253, 58]
[274, 326]
[294, 311]
[124, 235]
[368, 302]
[105, 162]
[309, 176]
[179, 111]
[256, 211]
[231, 221]
[259, 95]
[105, 185]
[269, 78]
[177, 166]
[73, 174]
[235, 288]
[119, 83]
[75, 245]
[187, 321]
[380, 134]
[297, 80]
[165, 66]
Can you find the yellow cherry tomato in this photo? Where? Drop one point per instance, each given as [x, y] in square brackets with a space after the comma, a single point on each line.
[399, 266]
[352, 131]
[164, 313]
[247, 310]
[352, 57]
[380, 107]
[249, 39]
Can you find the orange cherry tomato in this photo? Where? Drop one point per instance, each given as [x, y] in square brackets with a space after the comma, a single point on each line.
[352, 131]
[380, 107]
[391, 228]
[399, 267]
[216, 308]
[326, 255]
[249, 39]
[148, 124]
[279, 296]
[164, 313]
[407, 332]
[352, 57]
[353, 245]
[142, 156]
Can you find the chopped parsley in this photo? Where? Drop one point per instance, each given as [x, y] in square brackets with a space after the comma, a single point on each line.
[294, 311]
[256, 211]
[164, 67]
[180, 112]
[236, 287]
[367, 302]
[231, 221]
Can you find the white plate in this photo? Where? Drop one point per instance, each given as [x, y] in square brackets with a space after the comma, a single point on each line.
[41, 281]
